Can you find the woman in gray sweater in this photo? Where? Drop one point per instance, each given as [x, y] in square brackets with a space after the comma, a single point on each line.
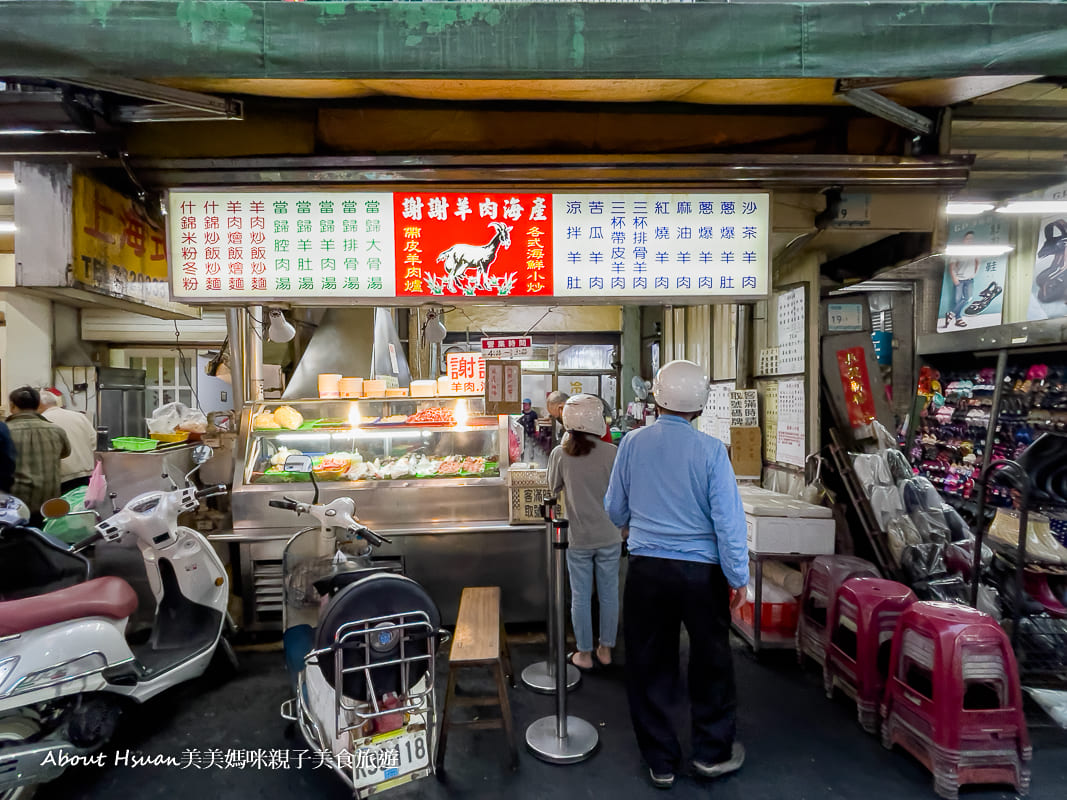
[581, 467]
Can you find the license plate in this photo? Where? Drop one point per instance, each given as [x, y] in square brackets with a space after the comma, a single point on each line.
[390, 758]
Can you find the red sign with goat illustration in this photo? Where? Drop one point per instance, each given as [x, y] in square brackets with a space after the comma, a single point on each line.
[454, 244]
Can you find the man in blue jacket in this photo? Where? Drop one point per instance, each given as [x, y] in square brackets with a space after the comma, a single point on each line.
[674, 487]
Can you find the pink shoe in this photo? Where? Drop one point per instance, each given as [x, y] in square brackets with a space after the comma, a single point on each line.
[1037, 587]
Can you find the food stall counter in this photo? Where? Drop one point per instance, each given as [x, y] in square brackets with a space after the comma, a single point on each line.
[425, 471]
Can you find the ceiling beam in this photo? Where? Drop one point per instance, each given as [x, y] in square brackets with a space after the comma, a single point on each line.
[1018, 143]
[944, 173]
[881, 106]
[1011, 112]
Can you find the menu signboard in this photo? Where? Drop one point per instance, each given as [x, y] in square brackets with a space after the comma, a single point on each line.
[319, 245]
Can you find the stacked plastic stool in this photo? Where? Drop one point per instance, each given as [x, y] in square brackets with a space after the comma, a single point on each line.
[821, 582]
[953, 700]
[866, 612]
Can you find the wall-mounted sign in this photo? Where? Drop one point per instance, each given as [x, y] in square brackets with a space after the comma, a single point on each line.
[117, 249]
[844, 317]
[744, 408]
[508, 348]
[1048, 291]
[502, 385]
[972, 289]
[465, 373]
[322, 245]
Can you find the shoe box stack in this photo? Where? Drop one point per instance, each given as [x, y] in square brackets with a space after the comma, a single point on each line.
[1031, 428]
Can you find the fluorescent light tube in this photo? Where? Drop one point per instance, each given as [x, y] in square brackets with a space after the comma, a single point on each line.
[967, 209]
[977, 249]
[1034, 207]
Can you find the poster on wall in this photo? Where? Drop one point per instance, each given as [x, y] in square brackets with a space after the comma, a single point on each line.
[333, 244]
[791, 422]
[972, 289]
[715, 421]
[1048, 293]
[770, 421]
[791, 329]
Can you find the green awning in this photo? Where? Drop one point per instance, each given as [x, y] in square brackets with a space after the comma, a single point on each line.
[227, 38]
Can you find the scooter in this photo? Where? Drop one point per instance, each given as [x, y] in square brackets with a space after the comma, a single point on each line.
[360, 643]
[69, 661]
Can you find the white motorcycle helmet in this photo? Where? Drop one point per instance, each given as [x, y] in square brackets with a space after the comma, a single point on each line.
[584, 412]
[681, 386]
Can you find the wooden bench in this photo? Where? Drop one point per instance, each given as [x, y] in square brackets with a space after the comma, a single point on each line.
[479, 643]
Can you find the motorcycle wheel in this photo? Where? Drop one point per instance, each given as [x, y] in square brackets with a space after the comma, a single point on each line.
[13, 730]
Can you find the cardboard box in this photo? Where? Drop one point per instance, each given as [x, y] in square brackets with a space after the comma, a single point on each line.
[746, 451]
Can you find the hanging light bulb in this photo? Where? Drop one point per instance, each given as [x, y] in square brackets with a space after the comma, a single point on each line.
[280, 330]
[434, 331]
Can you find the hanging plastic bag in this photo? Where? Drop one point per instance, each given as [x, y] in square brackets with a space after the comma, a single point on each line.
[78, 524]
[97, 489]
[177, 417]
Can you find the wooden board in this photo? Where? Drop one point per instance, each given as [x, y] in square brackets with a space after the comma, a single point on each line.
[477, 636]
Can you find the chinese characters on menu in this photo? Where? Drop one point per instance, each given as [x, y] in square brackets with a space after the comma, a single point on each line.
[331, 243]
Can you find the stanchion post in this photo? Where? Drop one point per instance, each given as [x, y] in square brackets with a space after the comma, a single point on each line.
[561, 739]
[548, 513]
[559, 554]
[541, 676]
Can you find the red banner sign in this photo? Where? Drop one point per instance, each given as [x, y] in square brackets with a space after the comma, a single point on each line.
[859, 400]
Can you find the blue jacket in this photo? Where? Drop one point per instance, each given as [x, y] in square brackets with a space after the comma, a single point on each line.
[675, 488]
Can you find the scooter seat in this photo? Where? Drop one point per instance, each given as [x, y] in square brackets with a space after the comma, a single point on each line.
[102, 597]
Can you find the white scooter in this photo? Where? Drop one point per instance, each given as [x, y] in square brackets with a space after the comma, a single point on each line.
[68, 659]
[360, 643]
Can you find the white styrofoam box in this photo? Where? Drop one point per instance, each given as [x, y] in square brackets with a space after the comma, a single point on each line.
[790, 535]
[423, 388]
[764, 503]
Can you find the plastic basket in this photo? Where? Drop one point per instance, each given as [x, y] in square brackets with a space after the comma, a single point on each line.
[134, 443]
[170, 438]
[777, 618]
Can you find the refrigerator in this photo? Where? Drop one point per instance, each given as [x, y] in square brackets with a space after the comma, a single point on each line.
[120, 402]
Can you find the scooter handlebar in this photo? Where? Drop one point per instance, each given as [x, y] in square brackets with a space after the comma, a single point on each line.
[208, 491]
[370, 536]
[286, 503]
[92, 539]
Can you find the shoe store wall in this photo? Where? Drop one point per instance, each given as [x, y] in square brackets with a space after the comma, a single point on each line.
[1027, 232]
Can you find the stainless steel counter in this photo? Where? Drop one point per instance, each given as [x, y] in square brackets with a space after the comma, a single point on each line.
[443, 557]
[130, 474]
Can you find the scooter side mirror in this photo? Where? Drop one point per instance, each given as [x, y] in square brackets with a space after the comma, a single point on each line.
[302, 463]
[297, 463]
[55, 508]
[202, 453]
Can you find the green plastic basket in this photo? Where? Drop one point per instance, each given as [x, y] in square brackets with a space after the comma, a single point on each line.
[134, 443]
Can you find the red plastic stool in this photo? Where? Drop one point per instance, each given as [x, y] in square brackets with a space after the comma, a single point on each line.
[865, 618]
[821, 583]
[953, 699]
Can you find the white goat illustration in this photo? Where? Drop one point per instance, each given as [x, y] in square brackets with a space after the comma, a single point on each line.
[460, 258]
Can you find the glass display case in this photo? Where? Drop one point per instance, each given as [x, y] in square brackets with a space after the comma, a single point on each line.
[367, 441]
[429, 473]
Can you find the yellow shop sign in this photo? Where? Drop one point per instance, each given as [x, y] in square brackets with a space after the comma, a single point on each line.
[118, 250]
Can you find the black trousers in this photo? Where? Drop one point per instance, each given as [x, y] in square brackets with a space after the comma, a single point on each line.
[661, 596]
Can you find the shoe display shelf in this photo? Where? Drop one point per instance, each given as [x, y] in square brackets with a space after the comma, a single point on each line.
[1005, 406]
